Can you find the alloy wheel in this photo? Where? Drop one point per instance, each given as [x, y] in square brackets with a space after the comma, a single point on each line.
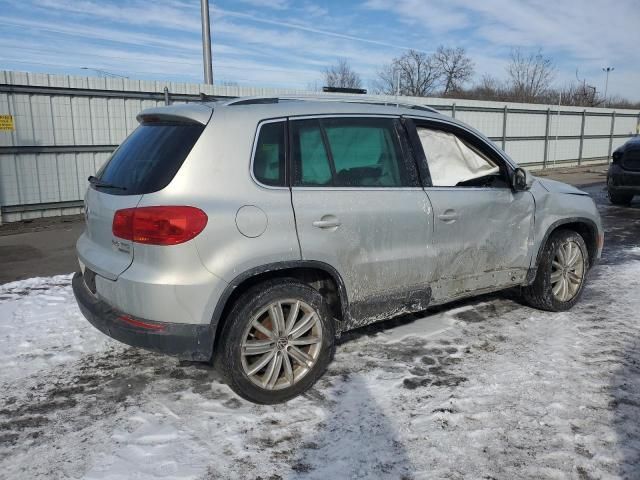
[281, 344]
[567, 271]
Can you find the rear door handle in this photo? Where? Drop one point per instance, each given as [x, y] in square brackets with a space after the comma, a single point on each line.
[449, 216]
[333, 223]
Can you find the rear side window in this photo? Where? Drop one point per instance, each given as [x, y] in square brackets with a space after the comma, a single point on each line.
[149, 158]
[309, 150]
[269, 157]
[348, 152]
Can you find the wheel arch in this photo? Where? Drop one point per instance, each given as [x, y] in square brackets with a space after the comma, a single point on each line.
[322, 276]
[586, 227]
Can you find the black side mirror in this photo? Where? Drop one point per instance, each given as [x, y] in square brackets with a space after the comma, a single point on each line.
[521, 180]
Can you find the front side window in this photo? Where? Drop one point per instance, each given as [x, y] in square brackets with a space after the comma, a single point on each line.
[269, 157]
[454, 163]
[348, 152]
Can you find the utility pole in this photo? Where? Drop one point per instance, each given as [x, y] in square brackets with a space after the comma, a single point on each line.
[606, 83]
[206, 42]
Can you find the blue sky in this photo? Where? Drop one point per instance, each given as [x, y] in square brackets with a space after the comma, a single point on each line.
[288, 42]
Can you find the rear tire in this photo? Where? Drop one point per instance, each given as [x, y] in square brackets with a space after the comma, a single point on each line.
[277, 341]
[561, 275]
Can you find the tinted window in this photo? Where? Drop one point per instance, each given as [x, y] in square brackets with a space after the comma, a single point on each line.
[268, 162]
[365, 152]
[150, 157]
[310, 154]
[356, 152]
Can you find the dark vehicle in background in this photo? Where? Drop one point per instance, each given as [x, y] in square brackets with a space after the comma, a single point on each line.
[623, 177]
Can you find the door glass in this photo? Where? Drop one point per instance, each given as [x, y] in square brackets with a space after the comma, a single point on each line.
[365, 152]
[310, 154]
[454, 163]
[268, 163]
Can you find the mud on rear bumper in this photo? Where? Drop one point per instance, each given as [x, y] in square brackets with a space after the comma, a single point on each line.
[186, 341]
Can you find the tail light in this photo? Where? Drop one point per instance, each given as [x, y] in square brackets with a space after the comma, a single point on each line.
[159, 225]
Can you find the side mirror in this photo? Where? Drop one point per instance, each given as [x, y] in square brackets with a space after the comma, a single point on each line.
[521, 180]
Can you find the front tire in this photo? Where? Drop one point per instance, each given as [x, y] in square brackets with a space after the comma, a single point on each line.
[561, 273]
[277, 341]
[619, 198]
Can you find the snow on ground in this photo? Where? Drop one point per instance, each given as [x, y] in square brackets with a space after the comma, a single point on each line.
[41, 326]
[485, 388]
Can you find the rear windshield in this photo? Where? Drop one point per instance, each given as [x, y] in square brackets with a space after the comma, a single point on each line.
[149, 158]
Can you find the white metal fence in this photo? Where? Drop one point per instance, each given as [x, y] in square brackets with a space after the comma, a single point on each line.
[64, 128]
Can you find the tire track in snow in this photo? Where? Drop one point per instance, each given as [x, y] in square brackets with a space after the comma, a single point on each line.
[508, 392]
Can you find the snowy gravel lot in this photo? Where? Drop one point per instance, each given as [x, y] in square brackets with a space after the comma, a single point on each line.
[485, 388]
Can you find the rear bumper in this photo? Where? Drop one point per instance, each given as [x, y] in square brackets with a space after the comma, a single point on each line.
[186, 341]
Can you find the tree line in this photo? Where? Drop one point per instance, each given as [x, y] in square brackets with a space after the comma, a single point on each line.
[450, 72]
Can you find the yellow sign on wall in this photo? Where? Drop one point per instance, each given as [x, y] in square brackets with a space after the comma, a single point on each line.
[6, 123]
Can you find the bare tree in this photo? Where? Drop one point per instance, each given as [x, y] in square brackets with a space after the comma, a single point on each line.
[415, 73]
[341, 75]
[575, 94]
[455, 66]
[530, 76]
[488, 88]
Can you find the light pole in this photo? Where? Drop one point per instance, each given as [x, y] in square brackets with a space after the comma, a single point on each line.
[606, 83]
[206, 42]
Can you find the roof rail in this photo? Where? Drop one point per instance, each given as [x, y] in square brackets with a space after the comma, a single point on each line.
[329, 98]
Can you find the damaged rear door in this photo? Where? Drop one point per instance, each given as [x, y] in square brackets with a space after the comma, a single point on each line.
[359, 207]
[482, 228]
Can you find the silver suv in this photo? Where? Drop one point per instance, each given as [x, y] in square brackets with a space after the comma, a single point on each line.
[252, 232]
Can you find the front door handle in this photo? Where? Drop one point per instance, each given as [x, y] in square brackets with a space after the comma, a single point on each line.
[449, 216]
[328, 221]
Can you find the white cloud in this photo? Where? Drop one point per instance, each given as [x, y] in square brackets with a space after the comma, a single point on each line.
[574, 32]
[314, 11]
[274, 4]
[303, 37]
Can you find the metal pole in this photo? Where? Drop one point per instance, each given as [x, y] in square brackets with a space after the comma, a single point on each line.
[546, 140]
[613, 126]
[584, 117]
[504, 128]
[555, 144]
[167, 100]
[606, 83]
[206, 43]
[453, 110]
[397, 74]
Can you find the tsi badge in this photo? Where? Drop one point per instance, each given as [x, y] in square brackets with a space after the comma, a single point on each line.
[121, 246]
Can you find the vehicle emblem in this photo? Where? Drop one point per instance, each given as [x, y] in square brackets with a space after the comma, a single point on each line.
[121, 246]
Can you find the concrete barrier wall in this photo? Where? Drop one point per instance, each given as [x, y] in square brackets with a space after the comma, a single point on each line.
[66, 126]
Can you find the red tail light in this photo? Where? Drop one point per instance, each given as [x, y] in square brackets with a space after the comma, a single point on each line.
[159, 225]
